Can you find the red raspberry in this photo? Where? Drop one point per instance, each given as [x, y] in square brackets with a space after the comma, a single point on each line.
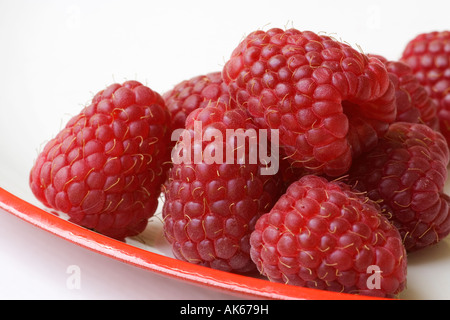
[194, 93]
[323, 235]
[105, 168]
[210, 208]
[413, 102]
[406, 174]
[428, 55]
[329, 101]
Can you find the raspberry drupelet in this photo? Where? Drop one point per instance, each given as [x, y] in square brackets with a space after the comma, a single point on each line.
[211, 207]
[329, 101]
[325, 235]
[105, 169]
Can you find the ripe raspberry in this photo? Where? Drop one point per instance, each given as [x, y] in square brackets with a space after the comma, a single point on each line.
[414, 105]
[428, 55]
[210, 208]
[329, 101]
[194, 93]
[406, 174]
[105, 168]
[323, 235]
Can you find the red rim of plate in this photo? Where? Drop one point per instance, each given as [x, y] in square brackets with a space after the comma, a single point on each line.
[236, 284]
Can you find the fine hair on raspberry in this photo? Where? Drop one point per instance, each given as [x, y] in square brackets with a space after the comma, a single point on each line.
[322, 234]
[329, 101]
[210, 209]
[406, 174]
[105, 169]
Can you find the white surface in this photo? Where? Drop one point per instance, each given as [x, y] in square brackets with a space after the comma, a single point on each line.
[56, 54]
[39, 265]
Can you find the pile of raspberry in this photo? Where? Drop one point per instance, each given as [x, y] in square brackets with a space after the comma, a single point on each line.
[352, 181]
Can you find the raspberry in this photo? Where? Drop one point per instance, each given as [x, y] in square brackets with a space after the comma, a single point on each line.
[412, 99]
[406, 174]
[428, 55]
[324, 235]
[194, 93]
[210, 207]
[329, 101]
[105, 168]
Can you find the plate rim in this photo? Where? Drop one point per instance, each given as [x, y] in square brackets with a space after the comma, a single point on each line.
[232, 283]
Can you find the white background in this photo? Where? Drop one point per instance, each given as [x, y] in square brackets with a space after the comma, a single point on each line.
[55, 55]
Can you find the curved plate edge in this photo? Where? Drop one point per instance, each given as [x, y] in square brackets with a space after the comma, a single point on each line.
[215, 279]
